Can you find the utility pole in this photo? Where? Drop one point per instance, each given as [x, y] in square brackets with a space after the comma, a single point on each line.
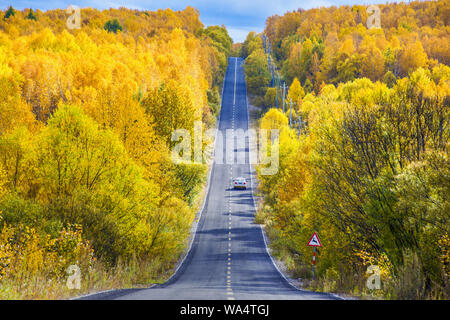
[265, 42]
[273, 75]
[290, 113]
[299, 124]
[270, 71]
[278, 84]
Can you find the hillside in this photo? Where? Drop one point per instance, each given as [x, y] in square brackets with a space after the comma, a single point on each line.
[86, 117]
[363, 145]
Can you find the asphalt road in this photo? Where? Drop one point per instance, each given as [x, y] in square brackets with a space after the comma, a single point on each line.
[228, 259]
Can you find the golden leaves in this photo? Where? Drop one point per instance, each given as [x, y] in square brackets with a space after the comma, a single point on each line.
[99, 152]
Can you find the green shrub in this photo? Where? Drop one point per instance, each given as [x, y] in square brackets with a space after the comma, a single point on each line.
[113, 26]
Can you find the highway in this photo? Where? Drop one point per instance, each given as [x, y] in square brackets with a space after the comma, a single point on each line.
[228, 259]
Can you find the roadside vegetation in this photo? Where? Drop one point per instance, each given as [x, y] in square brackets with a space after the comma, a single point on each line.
[86, 117]
[368, 170]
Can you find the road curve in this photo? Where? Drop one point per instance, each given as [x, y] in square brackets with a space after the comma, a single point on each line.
[228, 259]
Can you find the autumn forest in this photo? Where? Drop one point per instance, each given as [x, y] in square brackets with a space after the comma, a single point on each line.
[86, 117]
[86, 122]
[363, 145]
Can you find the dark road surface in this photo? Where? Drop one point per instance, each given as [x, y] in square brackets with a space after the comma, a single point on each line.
[228, 258]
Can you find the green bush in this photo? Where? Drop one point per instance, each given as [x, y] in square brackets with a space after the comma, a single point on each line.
[9, 13]
[31, 15]
[113, 26]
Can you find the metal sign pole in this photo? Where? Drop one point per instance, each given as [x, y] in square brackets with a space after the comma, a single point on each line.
[314, 242]
[314, 262]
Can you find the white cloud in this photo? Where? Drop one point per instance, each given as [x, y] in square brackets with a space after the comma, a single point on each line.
[239, 34]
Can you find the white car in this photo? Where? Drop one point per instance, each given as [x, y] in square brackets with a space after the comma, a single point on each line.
[239, 183]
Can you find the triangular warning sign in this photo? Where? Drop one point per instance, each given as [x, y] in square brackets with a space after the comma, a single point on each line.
[314, 241]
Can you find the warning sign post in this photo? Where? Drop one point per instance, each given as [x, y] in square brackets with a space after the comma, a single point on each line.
[314, 242]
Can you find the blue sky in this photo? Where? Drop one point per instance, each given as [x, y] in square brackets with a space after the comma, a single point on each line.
[239, 16]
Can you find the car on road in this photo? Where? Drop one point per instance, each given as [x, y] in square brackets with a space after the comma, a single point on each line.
[239, 183]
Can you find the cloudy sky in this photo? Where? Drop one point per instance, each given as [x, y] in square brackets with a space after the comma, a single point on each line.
[239, 16]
